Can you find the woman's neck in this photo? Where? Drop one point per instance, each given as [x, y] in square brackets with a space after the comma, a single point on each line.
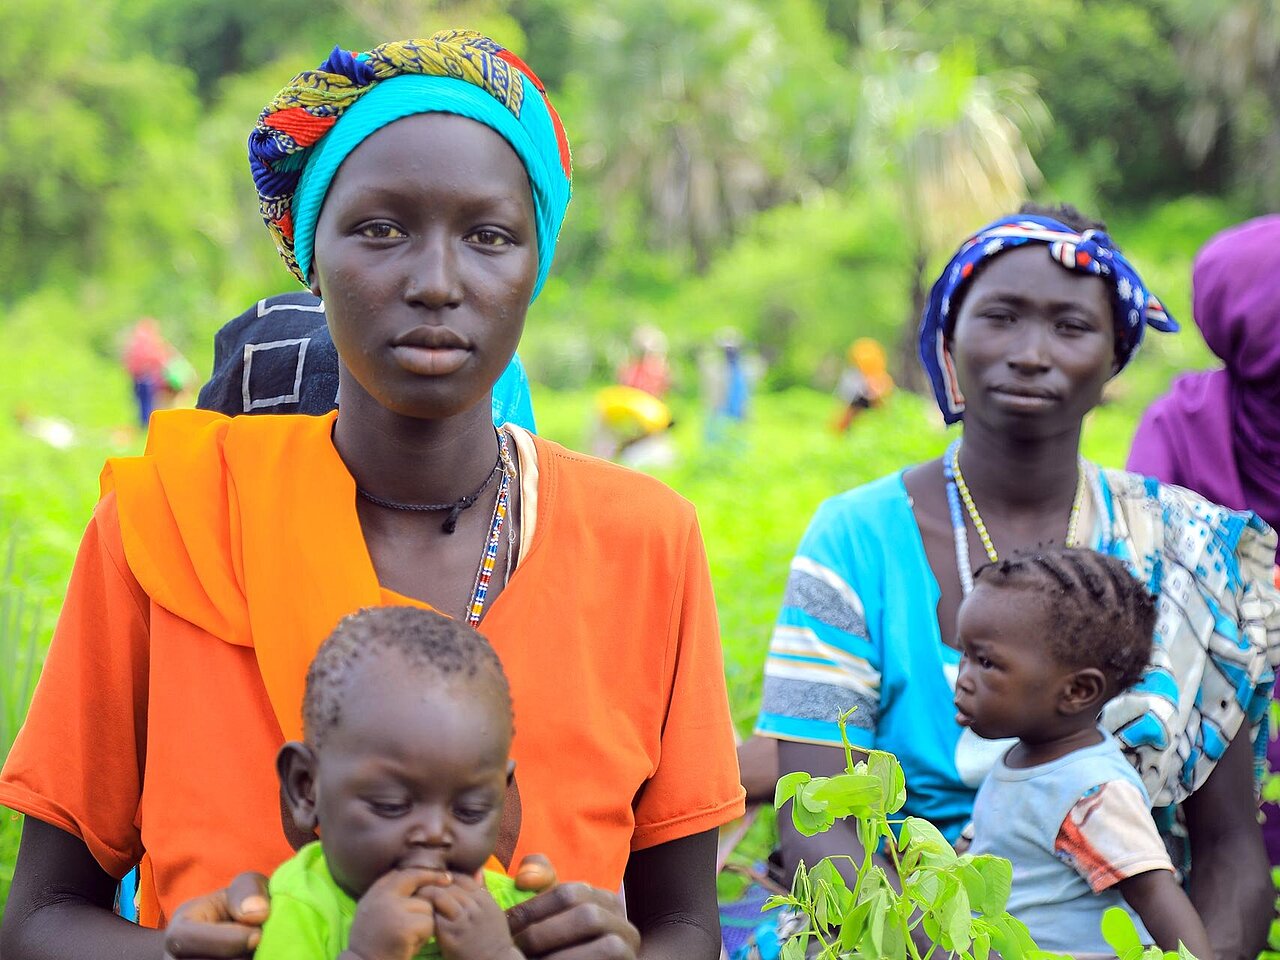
[411, 460]
[1017, 473]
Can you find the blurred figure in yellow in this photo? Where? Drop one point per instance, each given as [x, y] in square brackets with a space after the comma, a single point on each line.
[631, 427]
[865, 382]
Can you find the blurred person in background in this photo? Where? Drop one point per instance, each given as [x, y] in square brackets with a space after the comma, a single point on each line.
[864, 383]
[728, 374]
[158, 371]
[648, 369]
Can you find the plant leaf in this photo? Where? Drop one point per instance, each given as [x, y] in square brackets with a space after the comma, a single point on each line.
[929, 841]
[885, 767]
[849, 794]
[786, 787]
[997, 880]
[1120, 932]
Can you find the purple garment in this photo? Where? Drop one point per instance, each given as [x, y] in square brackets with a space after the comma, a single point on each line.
[1218, 432]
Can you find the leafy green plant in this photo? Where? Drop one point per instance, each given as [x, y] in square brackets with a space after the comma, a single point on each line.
[956, 900]
[1120, 931]
[949, 902]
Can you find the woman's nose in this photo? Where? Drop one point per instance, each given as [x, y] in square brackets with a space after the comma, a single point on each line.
[1030, 347]
[433, 280]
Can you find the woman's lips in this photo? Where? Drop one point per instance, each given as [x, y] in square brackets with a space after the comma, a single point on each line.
[1023, 400]
[430, 361]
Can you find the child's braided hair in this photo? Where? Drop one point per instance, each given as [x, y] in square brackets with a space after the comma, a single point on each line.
[1100, 615]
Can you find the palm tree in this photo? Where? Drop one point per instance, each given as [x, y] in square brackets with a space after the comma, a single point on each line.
[679, 119]
[949, 141]
[1230, 51]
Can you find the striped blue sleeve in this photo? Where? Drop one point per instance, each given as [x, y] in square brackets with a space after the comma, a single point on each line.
[821, 659]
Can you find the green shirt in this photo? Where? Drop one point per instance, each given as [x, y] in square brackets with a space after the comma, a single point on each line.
[311, 915]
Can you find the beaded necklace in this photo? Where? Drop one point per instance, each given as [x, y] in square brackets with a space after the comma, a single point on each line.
[958, 492]
[488, 559]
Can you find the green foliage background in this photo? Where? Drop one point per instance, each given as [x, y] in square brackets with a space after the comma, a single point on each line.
[728, 173]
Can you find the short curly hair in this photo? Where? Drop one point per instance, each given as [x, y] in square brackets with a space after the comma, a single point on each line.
[1100, 615]
[423, 640]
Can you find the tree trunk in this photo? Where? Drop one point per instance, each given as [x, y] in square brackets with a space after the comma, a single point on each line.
[908, 372]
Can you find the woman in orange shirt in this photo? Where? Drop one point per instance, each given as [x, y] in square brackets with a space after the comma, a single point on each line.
[418, 189]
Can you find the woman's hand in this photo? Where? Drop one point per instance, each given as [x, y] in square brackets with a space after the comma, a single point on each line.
[224, 924]
[573, 921]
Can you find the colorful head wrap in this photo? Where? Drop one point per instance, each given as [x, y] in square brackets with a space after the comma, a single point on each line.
[314, 123]
[1134, 307]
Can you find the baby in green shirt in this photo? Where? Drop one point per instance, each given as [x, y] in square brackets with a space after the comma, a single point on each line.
[403, 770]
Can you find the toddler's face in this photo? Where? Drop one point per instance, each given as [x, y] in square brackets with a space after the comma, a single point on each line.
[413, 774]
[1008, 683]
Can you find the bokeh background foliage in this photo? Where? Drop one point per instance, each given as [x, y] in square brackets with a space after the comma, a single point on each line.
[794, 169]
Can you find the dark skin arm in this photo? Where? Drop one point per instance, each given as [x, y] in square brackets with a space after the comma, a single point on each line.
[60, 905]
[671, 900]
[1230, 878]
[1166, 912]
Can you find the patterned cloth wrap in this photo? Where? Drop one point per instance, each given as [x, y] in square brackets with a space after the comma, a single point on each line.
[313, 124]
[1134, 307]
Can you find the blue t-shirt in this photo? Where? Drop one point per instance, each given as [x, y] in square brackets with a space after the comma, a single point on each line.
[1072, 828]
[859, 627]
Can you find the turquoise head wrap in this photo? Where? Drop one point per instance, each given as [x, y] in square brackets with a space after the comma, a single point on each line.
[313, 125]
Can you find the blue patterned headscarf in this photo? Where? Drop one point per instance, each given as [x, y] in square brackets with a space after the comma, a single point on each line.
[312, 125]
[1134, 307]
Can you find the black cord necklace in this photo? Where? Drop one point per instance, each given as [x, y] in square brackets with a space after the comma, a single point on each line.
[455, 508]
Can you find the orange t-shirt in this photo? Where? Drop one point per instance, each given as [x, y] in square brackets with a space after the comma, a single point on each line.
[215, 565]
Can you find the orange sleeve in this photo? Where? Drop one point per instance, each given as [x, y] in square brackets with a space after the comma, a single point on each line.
[77, 761]
[696, 786]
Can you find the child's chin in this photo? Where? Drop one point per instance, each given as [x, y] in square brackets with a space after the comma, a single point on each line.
[985, 731]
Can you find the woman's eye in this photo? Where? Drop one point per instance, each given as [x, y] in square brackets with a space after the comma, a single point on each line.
[381, 231]
[389, 808]
[489, 238]
[999, 316]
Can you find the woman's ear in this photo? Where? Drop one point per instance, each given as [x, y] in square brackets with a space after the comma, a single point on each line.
[1084, 690]
[296, 766]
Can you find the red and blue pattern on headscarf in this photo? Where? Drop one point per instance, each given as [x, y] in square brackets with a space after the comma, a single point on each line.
[1134, 307]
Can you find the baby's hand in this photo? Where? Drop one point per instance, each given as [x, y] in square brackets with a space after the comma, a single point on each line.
[469, 923]
[393, 918]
